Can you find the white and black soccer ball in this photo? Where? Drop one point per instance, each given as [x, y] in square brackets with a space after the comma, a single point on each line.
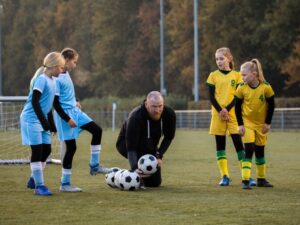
[110, 177]
[129, 181]
[148, 164]
[117, 177]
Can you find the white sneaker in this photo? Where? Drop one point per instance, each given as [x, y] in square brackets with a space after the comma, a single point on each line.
[99, 169]
[69, 188]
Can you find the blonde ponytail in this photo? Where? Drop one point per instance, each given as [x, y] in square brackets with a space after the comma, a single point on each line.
[259, 70]
[35, 76]
[254, 66]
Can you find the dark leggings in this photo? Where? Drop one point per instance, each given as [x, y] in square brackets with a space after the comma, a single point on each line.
[258, 150]
[236, 139]
[40, 153]
[95, 130]
[70, 152]
[71, 147]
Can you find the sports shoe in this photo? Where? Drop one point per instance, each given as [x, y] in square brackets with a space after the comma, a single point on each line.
[262, 182]
[224, 181]
[94, 170]
[31, 183]
[67, 187]
[42, 190]
[246, 185]
[252, 182]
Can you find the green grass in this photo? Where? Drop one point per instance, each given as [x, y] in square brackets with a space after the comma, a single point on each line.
[189, 193]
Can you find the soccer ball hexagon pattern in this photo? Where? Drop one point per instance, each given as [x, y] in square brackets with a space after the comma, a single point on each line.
[148, 164]
[129, 181]
[117, 177]
[110, 177]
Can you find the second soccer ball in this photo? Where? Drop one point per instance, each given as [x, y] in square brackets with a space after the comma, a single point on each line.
[148, 164]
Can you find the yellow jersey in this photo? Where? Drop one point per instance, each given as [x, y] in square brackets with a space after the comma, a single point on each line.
[254, 106]
[225, 86]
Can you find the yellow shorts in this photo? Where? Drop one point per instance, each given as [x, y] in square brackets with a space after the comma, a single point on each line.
[221, 127]
[254, 135]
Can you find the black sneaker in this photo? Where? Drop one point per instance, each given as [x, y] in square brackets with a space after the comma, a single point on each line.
[262, 182]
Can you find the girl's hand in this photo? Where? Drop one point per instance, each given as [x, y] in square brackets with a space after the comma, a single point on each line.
[224, 114]
[241, 130]
[72, 123]
[78, 105]
[266, 128]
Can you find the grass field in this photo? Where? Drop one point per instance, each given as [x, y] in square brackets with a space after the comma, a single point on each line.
[189, 193]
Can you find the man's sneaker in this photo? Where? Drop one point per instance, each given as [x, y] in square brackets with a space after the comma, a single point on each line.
[224, 181]
[42, 190]
[246, 185]
[31, 183]
[252, 182]
[262, 182]
[69, 188]
[99, 169]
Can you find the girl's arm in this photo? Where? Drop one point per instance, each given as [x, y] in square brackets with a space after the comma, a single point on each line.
[212, 98]
[36, 95]
[270, 111]
[238, 111]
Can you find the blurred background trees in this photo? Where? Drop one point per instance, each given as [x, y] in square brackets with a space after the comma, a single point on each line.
[118, 42]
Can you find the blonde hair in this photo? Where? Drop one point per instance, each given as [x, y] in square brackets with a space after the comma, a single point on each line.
[254, 66]
[227, 53]
[51, 60]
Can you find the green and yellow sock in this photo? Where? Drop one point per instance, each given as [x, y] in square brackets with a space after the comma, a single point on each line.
[222, 163]
[260, 167]
[246, 168]
[241, 155]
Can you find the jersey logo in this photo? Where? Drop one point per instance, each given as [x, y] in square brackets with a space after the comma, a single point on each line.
[261, 98]
[232, 83]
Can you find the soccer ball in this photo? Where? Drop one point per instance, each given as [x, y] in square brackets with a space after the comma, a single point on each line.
[129, 181]
[117, 177]
[110, 177]
[148, 164]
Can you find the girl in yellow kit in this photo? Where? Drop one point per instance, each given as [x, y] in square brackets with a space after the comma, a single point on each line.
[254, 110]
[222, 84]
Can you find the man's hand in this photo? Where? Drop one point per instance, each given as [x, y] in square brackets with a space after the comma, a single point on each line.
[159, 162]
[141, 174]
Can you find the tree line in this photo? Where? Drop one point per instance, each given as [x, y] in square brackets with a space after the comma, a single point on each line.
[119, 42]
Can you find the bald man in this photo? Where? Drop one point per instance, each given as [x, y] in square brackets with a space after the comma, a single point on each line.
[142, 132]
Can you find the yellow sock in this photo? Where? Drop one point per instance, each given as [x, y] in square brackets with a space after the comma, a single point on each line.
[223, 167]
[241, 166]
[246, 170]
[261, 171]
